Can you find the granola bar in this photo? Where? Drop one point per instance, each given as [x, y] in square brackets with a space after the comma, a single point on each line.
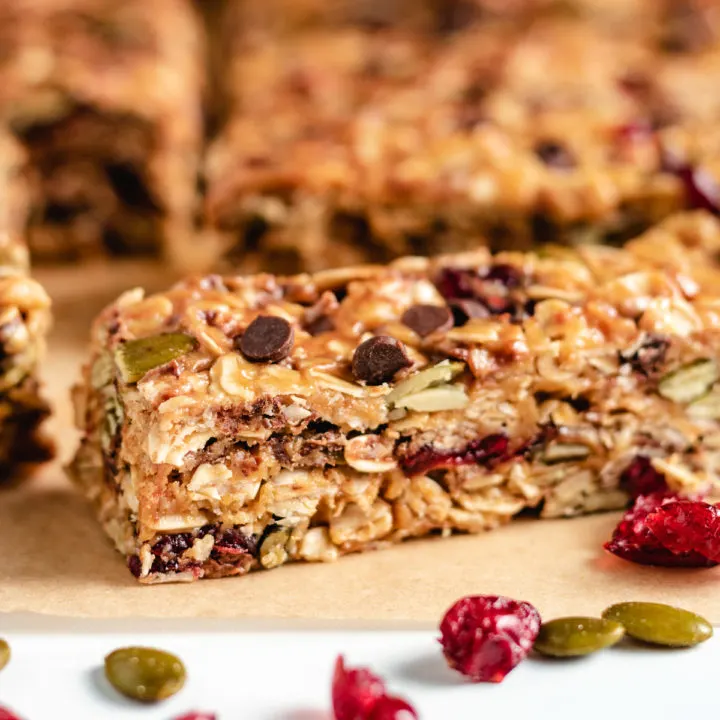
[24, 322]
[358, 138]
[105, 96]
[236, 423]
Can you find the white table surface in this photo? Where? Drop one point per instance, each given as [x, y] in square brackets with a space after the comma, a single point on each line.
[285, 675]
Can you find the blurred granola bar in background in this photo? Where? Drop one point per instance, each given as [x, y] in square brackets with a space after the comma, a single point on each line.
[362, 130]
[105, 97]
[24, 323]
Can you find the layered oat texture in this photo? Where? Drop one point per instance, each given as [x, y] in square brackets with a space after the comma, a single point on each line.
[360, 131]
[423, 397]
[105, 96]
[24, 322]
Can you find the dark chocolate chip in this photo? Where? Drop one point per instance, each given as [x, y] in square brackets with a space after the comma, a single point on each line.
[378, 359]
[464, 310]
[320, 325]
[554, 155]
[425, 319]
[267, 339]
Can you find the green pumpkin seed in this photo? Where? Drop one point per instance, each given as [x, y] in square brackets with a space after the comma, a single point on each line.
[135, 358]
[575, 636]
[689, 382]
[144, 674]
[4, 654]
[660, 624]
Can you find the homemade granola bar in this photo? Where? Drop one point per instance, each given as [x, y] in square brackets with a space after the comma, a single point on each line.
[24, 322]
[235, 423]
[358, 137]
[106, 97]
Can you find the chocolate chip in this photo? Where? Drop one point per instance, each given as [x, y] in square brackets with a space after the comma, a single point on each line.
[425, 319]
[464, 310]
[554, 155]
[320, 325]
[378, 359]
[267, 339]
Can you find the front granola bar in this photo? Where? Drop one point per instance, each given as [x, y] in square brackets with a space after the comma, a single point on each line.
[106, 97]
[235, 423]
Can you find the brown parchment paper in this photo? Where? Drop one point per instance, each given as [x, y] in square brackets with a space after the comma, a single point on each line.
[55, 560]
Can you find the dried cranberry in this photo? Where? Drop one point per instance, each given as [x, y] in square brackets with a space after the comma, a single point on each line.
[641, 478]
[648, 357]
[175, 544]
[634, 541]
[485, 636]
[701, 188]
[487, 451]
[634, 132]
[506, 274]
[5, 714]
[495, 291]
[160, 565]
[234, 541]
[687, 526]
[354, 692]
[456, 283]
[392, 708]
[197, 716]
[134, 565]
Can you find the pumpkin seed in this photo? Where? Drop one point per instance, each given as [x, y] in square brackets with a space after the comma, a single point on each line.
[689, 382]
[575, 636]
[435, 399]
[565, 452]
[707, 407]
[439, 374]
[273, 551]
[135, 358]
[145, 674]
[4, 653]
[660, 624]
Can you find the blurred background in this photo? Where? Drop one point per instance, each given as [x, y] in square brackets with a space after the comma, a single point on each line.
[292, 135]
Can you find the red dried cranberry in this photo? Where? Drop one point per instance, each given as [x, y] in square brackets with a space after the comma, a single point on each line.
[456, 283]
[634, 541]
[687, 526]
[467, 284]
[508, 275]
[392, 708]
[160, 565]
[6, 714]
[354, 692]
[134, 565]
[175, 544]
[701, 188]
[641, 478]
[197, 716]
[487, 451]
[634, 132]
[485, 636]
[649, 356]
[233, 541]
